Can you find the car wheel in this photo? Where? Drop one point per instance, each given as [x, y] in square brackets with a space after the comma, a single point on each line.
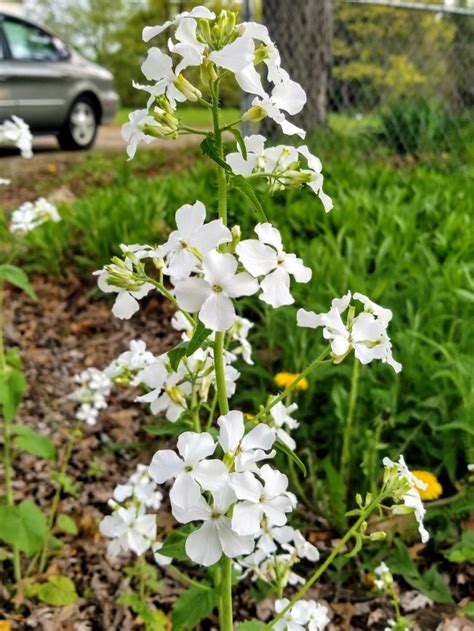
[80, 129]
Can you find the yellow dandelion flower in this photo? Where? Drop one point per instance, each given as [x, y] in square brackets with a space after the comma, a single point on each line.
[433, 489]
[285, 379]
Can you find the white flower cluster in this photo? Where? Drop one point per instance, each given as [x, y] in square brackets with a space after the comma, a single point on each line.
[30, 215]
[305, 614]
[365, 333]
[130, 527]
[403, 486]
[16, 133]
[95, 385]
[281, 166]
[384, 580]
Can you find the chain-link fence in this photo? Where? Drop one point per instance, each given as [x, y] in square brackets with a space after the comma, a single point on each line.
[405, 74]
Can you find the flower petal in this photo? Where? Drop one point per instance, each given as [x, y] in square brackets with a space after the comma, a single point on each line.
[192, 293]
[217, 312]
[233, 545]
[246, 518]
[194, 447]
[203, 546]
[166, 464]
[231, 430]
[257, 258]
[125, 305]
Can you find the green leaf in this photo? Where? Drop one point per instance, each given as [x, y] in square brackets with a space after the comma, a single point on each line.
[192, 606]
[68, 485]
[67, 524]
[284, 449]
[16, 276]
[12, 386]
[57, 591]
[153, 619]
[200, 334]
[33, 443]
[209, 148]
[24, 526]
[468, 610]
[241, 184]
[174, 544]
[176, 354]
[166, 429]
[240, 141]
[463, 550]
[337, 494]
[251, 625]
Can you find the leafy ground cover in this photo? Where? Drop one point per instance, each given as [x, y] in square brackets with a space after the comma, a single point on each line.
[404, 227]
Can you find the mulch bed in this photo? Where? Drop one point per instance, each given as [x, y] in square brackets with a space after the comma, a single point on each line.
[60, 335]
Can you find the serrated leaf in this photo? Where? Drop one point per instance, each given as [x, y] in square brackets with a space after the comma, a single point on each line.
[192, 606]
[57, 591]
[33, 443]
[280, 446]
[200, 334]
[209, 149]
[16, 276]
[67, 524]
[24, 526]
[241, 184]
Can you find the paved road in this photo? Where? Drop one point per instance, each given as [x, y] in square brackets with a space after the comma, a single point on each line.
[46, 151]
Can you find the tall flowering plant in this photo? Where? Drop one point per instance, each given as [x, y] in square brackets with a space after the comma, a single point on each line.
[224, 488]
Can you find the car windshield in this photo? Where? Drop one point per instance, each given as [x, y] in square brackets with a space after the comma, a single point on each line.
[28, 42]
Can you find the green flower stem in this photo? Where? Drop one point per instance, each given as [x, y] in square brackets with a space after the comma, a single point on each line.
[193, 130]
[347, 434]
[7, 453]
[323, 567]
[57, 496]
[225, 602]
[293, 384]
[171, 298]
[212, 410]
[186, 580]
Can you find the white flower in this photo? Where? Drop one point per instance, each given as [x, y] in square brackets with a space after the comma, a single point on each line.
[198, 12]
[30, 215]
[366, 333]
[269, 499]
[301, 548]
[281, 415]
[169, 390]
[160, 559]
[405, 489]
[294, 619]
[142, 487]
[316, 182]
[128, 295]
[191, 463]
[132, 131]
[159, 67]
[238, 333]
[287, 96]
[95, 387]
[266, 257]
[187, 245]
[130, 529]
[135, 359]
[211, 295]
[245, 166]
[17, 133]
[245, 449]
[316, 615]
[216, 536]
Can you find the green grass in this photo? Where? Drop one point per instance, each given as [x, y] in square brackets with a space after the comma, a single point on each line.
[401, 234]
[197, 117]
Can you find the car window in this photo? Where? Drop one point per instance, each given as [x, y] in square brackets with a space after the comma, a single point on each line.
[29, 42]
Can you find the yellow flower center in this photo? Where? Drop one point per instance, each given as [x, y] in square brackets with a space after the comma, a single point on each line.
[433, 489]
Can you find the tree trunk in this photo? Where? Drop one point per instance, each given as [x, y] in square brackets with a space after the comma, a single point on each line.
[302, 31]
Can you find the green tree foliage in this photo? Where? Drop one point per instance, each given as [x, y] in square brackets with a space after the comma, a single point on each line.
[380, 52]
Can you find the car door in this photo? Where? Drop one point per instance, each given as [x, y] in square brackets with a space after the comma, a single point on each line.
[34, 75]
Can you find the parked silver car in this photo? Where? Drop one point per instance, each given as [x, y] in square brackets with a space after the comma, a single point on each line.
[50, 86]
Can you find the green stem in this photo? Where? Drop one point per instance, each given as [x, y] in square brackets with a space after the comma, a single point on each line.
[7, 453]
[56, 498]
[212, 410]
[322, 568]
[225, 601]
[195, 410]
[226, 596]
[293, 384]
[172, 299]
[186, 580]
[347, 434]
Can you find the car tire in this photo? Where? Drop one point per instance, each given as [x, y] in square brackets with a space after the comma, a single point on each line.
[80, 129]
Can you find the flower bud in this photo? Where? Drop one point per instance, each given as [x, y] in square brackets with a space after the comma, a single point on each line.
[208, 71]
[187, 88]
[254, 114]
[261, 53]
[377, 536]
